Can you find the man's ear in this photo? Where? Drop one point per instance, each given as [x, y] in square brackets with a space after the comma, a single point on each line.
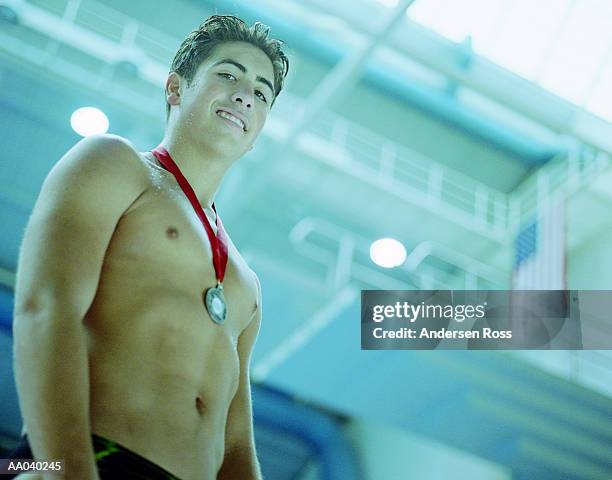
[173, 89]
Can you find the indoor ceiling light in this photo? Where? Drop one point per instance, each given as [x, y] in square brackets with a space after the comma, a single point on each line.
[387, 252]
[88, 121]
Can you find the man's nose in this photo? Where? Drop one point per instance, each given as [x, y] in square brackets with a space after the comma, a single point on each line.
[244, 98]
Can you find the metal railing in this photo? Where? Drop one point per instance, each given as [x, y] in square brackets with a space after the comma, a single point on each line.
[564, 176]
[415, 177]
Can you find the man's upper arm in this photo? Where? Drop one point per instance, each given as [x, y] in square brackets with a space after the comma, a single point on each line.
[79, 205]
[239, 432]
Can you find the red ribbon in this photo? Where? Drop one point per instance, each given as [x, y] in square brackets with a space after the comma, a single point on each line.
[218, 243]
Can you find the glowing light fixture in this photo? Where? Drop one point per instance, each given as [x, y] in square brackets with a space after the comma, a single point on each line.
[88, 121]
[387, 252]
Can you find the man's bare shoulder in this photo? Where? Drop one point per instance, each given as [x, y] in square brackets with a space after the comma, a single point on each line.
[104, 154]
[96, 166]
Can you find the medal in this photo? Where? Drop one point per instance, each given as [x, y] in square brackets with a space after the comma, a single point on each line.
[215, 303]
[214, 299]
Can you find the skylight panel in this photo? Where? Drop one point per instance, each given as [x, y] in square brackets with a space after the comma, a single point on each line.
[565, 46]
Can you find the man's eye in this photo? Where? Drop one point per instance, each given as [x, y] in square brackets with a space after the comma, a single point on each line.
[229, 76]
[261, 96]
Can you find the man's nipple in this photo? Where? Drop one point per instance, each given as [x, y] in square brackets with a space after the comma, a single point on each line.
[172, 232]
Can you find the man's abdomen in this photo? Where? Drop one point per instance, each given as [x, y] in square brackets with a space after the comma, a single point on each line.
[161, 385]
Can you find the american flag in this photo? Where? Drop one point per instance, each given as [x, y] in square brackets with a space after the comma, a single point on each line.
[539, 264]
[539, 256]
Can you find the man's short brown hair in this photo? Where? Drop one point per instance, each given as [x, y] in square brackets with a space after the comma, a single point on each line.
[218, 29]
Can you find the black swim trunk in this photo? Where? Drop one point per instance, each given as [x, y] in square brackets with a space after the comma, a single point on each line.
[112, 459]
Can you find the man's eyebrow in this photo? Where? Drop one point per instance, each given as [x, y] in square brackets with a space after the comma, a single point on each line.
[243, 69]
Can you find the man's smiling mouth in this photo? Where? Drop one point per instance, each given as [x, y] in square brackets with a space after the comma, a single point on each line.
[232, 118]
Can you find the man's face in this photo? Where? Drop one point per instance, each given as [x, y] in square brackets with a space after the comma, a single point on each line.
[226, 104]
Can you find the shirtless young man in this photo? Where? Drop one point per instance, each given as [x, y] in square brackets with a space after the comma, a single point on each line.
[120, 368]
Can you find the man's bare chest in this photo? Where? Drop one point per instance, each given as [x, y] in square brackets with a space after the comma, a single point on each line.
[162, 245]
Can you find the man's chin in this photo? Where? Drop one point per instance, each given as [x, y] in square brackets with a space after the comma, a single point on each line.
[226, 147]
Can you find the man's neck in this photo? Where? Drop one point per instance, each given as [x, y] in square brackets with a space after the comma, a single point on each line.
[203, 170]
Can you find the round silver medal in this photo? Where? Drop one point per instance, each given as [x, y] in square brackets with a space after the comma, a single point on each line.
[215, 304]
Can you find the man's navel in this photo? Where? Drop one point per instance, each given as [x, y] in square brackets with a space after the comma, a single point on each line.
[199, 404]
